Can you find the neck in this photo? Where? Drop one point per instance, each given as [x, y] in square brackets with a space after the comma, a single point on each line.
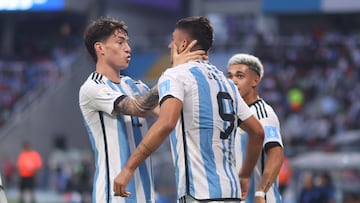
[111, 73]
[252, 97]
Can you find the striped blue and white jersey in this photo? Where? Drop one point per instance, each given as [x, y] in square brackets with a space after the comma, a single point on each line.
[114, 138]
[270, 122]
[202, 143]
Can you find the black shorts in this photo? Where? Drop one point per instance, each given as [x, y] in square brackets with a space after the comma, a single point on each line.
[27, 183]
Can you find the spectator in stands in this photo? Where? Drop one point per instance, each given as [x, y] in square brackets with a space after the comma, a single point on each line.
[309, 192]
[28, 163]
[247, 71]
[326, 187]
[9, 171]
[285, 175]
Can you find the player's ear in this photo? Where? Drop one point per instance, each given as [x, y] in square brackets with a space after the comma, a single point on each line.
[185, 43]
[98, 46]
[256, 81]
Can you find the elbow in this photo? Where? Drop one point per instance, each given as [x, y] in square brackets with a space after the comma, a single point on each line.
[260, 133]
[169, 126]
[166, 126]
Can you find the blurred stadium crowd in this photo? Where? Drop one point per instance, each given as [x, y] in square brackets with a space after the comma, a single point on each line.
[312, 79]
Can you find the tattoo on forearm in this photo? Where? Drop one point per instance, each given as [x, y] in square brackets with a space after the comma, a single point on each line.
[144, 150]
[147, 148]
[140, 104]
[148, 101]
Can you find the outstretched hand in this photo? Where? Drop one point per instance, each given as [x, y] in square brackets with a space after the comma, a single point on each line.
[186, 55]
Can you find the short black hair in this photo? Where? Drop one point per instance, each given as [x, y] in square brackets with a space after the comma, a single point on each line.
[199, 28]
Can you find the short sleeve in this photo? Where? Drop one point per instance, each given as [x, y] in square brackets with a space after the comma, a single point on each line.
[170, 85]
[99, 97]
[244, 111]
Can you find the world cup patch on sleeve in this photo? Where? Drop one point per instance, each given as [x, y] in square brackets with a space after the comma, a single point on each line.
[271, 132]
[164, 87]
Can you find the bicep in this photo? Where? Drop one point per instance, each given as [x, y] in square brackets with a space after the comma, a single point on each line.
[275, 158]
[139, 105]
[123, 105]
[170, 111]
[251, 125]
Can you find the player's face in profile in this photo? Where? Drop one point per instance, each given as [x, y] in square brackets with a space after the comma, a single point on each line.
[116, 50]
[243, 77]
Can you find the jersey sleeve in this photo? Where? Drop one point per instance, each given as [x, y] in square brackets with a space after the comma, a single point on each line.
[100, 96]
[169, 85]
[243, 110]
[272, 130]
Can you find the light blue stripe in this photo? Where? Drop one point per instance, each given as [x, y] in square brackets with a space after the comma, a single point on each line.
[243, 138]
[96, 155]
[206, 132]
[133, 86]
[250, 196]
[227, 164]
[277, 192]
[145, 177]
[251, 192]
[125, 152]
[173, 142]
[123, 142]
[234, 90]
[124, 146]
[234, 174]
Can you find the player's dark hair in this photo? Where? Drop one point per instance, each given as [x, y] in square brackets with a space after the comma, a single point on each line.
[100, 30]
[198, 28]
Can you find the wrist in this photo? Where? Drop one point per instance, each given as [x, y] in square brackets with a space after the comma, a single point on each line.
[260, 194]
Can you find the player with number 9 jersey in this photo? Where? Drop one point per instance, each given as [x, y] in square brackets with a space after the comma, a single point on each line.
[203, 141]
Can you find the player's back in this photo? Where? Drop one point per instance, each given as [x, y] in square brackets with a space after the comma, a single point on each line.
[209, 98]
[208, 120]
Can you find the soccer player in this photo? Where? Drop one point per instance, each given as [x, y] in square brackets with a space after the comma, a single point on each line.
[113, 107]
[204, 108]
[246, 71]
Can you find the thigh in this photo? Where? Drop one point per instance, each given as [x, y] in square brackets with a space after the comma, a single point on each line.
[27, 183]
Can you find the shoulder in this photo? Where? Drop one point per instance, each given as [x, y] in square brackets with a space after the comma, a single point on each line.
[128, 79]
[92, 86]
[182, 67]
[264, 111]
[93, 81]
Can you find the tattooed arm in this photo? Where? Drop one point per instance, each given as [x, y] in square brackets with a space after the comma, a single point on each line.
[140, 105]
